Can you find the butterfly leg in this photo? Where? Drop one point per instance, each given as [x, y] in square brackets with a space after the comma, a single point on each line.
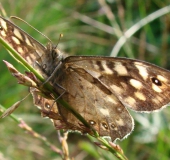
[53, 73]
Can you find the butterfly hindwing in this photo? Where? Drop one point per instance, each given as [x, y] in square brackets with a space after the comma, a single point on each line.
[96, 104]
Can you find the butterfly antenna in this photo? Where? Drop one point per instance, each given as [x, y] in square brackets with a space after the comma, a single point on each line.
[14, 17]
[61, 35]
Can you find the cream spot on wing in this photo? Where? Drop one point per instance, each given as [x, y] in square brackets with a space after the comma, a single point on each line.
[116, 88]
[161, 78]
[27, 41]
[15, 40]
[104, 111]
[3, 33]
[140, 96]
[106, 68]
[142, 70]
[115, 128]
[156, 88]
[130, 101]
[119, 122]
[94, 73]
[20, 50]
[120, 69]
[124, 85]
[17, 33]
[157, 100]
[111, 99]
[135, 83]
[96, 66]
[39, 107]
[29, 59]
[3, 24]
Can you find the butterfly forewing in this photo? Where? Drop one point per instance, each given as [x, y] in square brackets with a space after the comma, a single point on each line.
[137, 84]
[32, 51]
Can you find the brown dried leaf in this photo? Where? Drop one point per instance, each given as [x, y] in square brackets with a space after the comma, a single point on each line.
[10, 110]
[22, 79]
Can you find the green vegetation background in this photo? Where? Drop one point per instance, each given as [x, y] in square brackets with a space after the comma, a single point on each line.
[87, 30]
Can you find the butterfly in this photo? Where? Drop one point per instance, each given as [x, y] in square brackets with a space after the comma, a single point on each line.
[99, 88]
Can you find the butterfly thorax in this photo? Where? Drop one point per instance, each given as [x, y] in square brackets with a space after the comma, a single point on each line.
[51, 59]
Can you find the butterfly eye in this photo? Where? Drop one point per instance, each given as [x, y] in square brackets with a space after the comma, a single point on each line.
[119, 109]
[105, 125]
[112, 125]
[92, 122]
[54, 54]
[44, 66]
[156, 81]
[47, 106]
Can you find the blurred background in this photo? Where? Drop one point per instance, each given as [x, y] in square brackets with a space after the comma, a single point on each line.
[89, 28]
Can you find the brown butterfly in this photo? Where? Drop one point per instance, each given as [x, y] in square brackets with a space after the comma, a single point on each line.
[99, 88]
